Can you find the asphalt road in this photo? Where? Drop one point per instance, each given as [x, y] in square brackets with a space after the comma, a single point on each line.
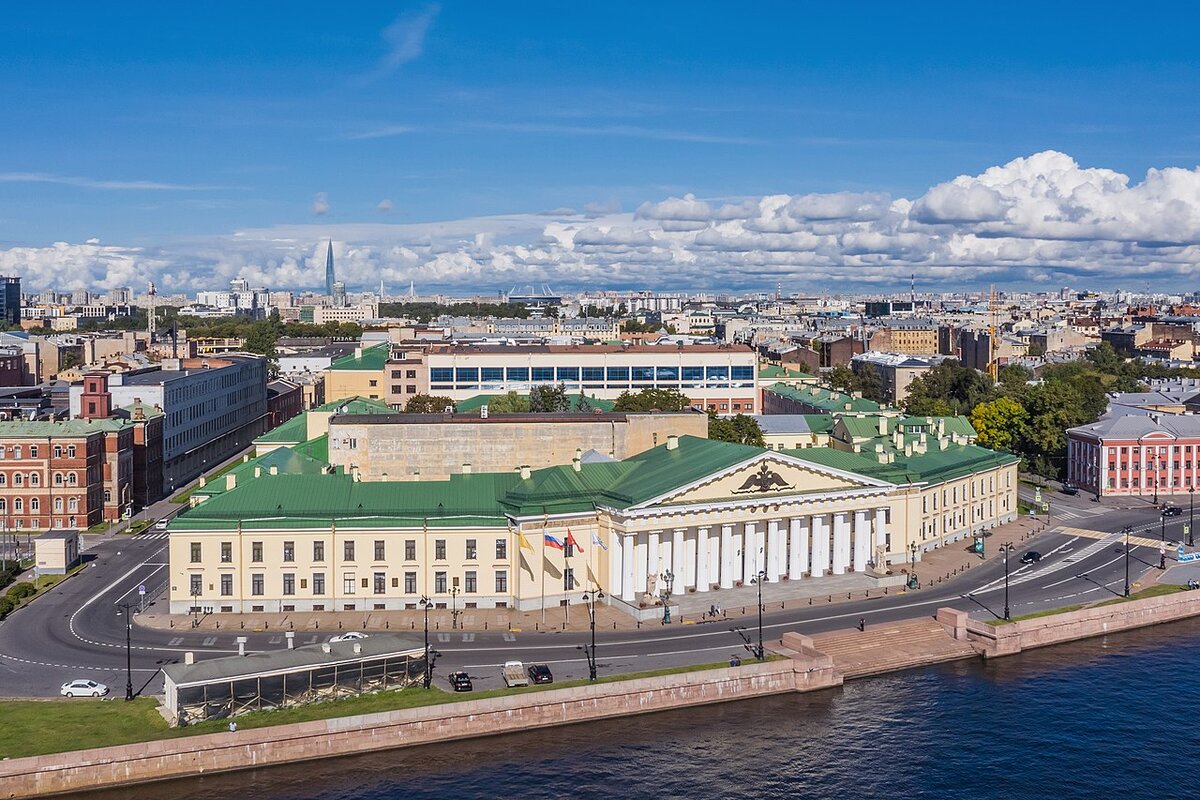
[78, 629]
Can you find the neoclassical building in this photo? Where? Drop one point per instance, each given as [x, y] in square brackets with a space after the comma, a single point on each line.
[286, 532]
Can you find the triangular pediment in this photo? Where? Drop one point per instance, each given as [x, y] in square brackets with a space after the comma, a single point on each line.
[767, 476]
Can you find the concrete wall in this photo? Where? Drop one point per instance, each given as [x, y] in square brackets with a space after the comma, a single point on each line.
[1004, 640]
[438, 449]
[137, 763]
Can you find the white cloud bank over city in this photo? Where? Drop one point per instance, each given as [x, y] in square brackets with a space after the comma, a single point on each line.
[1042, 220]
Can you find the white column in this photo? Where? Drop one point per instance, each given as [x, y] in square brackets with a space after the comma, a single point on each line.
[880, 535]
[616, 571]
[820, 545]
[726, 557]
[798, 560]
[702, 579]
[749, 552]
[642, 562]
[628, 546]
[841, 543]
[862, 541]
[677, 559]
[773, 551]
[653, 554]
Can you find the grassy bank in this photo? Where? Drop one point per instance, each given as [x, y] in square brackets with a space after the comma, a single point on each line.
[36, 727]
[1157, 590]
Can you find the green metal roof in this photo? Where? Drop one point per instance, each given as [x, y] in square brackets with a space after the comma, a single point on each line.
[829, 401]
[356, 405]
[317, 448]
[776, 371]
[295, 430]
[933, 467]
[372, 359]
[285, 460]
[24, 429]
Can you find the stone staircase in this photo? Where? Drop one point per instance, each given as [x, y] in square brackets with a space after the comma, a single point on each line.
[891, 646]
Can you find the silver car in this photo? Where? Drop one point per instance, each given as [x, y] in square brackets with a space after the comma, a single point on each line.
[83, 688]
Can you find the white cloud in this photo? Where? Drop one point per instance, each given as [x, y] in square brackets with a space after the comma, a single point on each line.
[91, 183]
[384, 207]
[1037, 220]
[320, 204]
[405, 38]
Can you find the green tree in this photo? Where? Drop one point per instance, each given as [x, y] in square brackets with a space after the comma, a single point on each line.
[870, 383]
[843, 379]
[739, 428]
[948, 388]
[652, 400]
[1000, 423]
[427, 404]
[548, 398]
[510, 403]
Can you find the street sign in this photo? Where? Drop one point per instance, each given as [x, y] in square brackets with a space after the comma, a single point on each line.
[1037, 495]
[142, 589]
[1046, 507]
[978, 544]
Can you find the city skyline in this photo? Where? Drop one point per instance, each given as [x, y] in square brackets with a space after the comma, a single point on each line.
[474, 148]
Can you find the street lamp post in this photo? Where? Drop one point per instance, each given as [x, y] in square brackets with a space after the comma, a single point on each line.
[760, 653]
[454, 607]
[589, 598]
[668, 579]
[1127, 530]
[1162, 540]
[128, 652]
[1007, 548]
[196, 607]
[1191, 515]
[426, 603]
[913, 583]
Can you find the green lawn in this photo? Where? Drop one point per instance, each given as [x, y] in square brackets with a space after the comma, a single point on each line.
[1046, 613]
[1157, 590]
[33, 727]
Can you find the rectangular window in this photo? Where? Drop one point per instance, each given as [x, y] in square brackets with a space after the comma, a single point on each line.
[411, 374]
[410, 583]
[668, 374]
[348, 583]
[289, 583]
[439, 582]
[226, 552]
[318, 582]
[226, 585]
[642, 373]
[196, 585]
[618, 374]
[501, 581]
[348, 550]
[410, 549]
[569, 579]
[318, 551]
[501, 549]
[471, 548]
[693, 373]
[379, 550]
[256, 552]
[593, 374]
[195, 552]
[470, 583]
[289, 551]
[439, 549]
[518, 374]
[491, 374]
[542, 374]
[441, 375]
[568, 374]
[466, 375]
[380, 583]
[742, 373]
[256, 584]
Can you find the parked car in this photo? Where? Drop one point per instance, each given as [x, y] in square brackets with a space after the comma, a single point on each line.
[1032, 557]
[1069, 489]
[1171, 511]
[540, 673]
[460, 681]
[348, 636]
[161, 525]
[514, 674]
[83, 688]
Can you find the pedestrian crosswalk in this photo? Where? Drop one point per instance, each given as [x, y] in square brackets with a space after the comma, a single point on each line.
[151, 535]
[1136, 541]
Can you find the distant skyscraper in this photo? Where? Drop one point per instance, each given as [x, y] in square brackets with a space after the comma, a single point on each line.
[338, 294]
[329, 278]
[10, 301]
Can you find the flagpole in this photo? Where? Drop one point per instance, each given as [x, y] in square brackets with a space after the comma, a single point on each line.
[517, 564]
[545, 521]
[568, 585]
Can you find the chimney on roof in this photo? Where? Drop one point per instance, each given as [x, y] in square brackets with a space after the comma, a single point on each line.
[189, 657]
[203, 481]
[230, 481]
[525, 472]
[882, 425]
[672, 442]
[466, 468]
[577, 464]
[257, 472]
[274, 469]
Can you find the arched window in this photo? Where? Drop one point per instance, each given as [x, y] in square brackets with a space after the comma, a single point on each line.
[3, 479]
[58, 505]
[3, 504]
[19, 479]
[34, 504]
[18, 505]
[71, 478]
[58, 479]
[34, 479]
[73, 504]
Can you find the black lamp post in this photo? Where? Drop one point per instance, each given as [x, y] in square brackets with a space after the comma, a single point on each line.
[589, 598]
[1126, 530]
[668, 579]
[195, 606]
[128, 652]
[426, 603]
[454, 607]
[1162, 540]
[1007, 548]
[760, 653]
[912, 573]
[1191, 514]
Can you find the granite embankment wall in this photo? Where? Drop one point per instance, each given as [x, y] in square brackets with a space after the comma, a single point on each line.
[82, 770]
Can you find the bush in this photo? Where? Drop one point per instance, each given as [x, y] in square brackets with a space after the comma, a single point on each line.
[6, 606]
[20, 591]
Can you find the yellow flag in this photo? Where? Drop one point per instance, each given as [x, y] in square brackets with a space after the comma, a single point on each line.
[524, 542]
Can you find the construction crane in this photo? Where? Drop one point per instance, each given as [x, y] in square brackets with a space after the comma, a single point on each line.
[151, 294]
[993, 364]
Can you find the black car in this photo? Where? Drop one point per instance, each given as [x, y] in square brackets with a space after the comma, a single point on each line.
[1032, 557]
[1069, 489]
[460, 681]
[540, 673]
[1171, 511]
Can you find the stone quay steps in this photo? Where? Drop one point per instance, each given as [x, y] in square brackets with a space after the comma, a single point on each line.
[891, 646]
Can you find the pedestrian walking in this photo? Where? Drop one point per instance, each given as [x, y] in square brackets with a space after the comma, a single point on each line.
[734, 661]
[232, 727]
[862, 623]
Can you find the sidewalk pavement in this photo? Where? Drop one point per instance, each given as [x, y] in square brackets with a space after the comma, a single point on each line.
[934, 568]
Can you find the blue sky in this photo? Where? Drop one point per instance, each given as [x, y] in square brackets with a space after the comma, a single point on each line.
[165, 130]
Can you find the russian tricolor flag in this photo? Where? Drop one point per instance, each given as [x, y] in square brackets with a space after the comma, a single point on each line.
[552, 541]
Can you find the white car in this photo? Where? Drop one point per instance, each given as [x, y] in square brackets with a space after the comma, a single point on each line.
[83, 688]
[348, 637]
[161, 525]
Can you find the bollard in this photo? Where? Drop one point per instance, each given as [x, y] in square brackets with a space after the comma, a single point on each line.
[810, 601]
[413, 625]
[218, 624]
[266, 625]
[172, 623]
[743, 607]
[885, 590]
[847, 593]
[339, 624]
[316, 624]
[485, 624]
[830, 598]
[243, 625]
[564, 626]
[781, 607]
[614, 626]
[535, 626]
[291, 640]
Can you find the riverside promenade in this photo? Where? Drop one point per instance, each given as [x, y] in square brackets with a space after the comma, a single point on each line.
[809, 664]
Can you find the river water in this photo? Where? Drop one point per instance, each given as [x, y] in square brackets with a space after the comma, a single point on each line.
[1105, 718]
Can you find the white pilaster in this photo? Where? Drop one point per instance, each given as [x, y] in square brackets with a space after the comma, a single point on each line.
[653, 554]
[881, 531]
[820, 545]
[616, 570]
[628, 567]
[726, 557]
[749, 552]
[640, 554]
[798, 558]
[677, 559]
[773, 551]
[862, 541]
[702, 579]
[841, 543]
